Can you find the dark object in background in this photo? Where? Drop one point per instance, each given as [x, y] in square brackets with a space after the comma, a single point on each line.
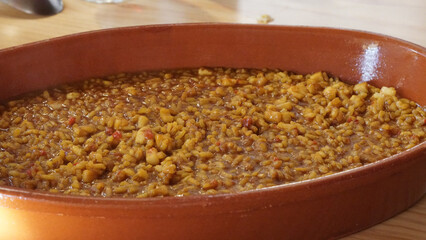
[38, 7]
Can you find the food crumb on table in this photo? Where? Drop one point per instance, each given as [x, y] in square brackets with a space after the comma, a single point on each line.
[265, 19]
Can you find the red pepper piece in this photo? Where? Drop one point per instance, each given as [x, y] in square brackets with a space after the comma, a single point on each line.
[71, 121]
[148, 134]
[117, 135]
[247, 122]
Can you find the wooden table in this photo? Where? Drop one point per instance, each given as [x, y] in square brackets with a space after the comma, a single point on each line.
[402, 19]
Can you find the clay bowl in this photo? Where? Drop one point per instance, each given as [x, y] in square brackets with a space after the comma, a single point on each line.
[328, 207]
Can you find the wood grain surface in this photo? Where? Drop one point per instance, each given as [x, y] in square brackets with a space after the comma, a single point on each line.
[402, 19]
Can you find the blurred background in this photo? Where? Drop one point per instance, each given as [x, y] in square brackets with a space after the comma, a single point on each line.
[402, 19]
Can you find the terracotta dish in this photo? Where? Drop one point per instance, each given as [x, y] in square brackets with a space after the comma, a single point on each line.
[327, 207]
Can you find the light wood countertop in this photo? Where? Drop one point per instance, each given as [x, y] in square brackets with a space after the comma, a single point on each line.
[402, 19]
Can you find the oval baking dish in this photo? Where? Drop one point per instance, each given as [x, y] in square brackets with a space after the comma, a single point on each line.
[327, 207]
